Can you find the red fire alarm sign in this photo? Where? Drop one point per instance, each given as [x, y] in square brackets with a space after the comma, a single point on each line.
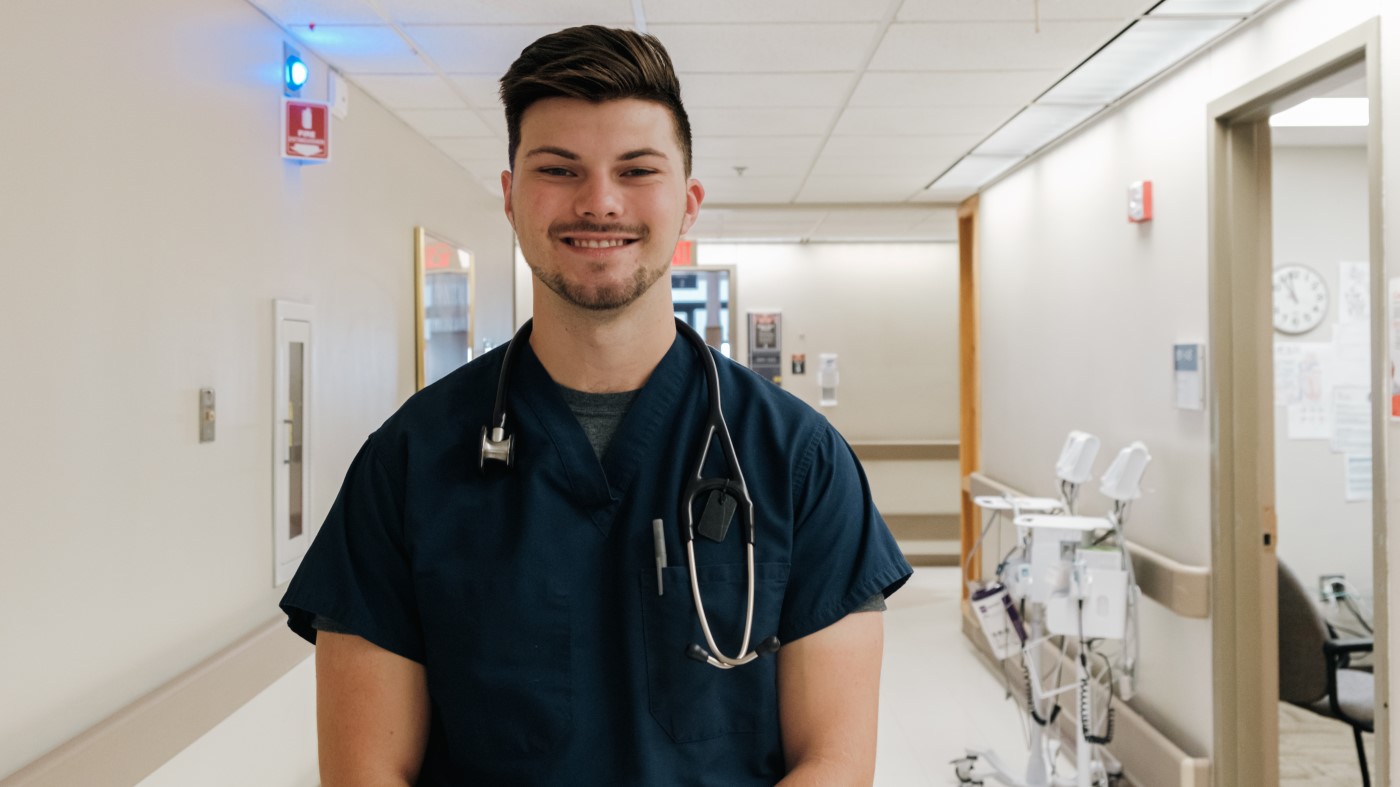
[306, 131]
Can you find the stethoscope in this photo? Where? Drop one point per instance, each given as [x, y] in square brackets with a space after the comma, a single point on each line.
[497, 446]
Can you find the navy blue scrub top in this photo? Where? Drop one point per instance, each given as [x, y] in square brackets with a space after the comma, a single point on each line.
[530, 595]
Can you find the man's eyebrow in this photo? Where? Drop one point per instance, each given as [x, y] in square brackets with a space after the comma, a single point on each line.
[639, 153]
[551, 150]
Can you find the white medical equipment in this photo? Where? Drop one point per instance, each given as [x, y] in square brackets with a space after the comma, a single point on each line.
[1073, 578]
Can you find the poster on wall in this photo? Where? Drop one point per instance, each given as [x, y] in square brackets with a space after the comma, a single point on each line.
[1358, 477]
[766, 343]
[1309, 417]
[1351, 420]
[1354, 293]
[1189, 366]
[1393, 299]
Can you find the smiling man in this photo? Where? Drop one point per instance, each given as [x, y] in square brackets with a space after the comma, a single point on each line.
[538, 620]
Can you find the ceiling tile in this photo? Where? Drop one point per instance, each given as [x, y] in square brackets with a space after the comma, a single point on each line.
[465, 149]
[482, 90]
[403, 91]
[361, 49]
[912, 146]
[884, 165]
[1019, 10]
[747, 11]
[834, 189]
[955, 88]
[764, 90]
[738, 190]
[476, 49]
[990, 46]
[447, 123]
[485, 169]
[766, 48]
[508, 12]
[944, 195]
[769, 166]
[760, 122]
[755, 148]
[320, 12]
[891, 216]
[904, 121]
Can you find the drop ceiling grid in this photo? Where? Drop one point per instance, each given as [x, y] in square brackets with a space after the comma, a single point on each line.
[791, 98]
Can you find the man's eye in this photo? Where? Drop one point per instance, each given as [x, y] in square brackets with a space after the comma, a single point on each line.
[554, 171]
[639, 172]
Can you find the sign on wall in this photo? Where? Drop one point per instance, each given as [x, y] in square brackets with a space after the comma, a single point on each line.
[306, 131]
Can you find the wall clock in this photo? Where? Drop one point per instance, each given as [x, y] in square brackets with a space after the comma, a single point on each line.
[1300, 299]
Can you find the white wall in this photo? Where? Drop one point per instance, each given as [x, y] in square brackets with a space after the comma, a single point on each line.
[890, 312]
[1320, 221]
[1080, 309]
[146, 225]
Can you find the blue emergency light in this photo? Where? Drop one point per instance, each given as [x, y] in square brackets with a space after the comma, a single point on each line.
[295, 73]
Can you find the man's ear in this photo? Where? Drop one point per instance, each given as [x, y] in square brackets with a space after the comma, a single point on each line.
[505, 189]
[694, 195]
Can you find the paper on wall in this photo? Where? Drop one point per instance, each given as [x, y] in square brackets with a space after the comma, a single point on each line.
[1351, 348]
[1393, 300]
[1354, 293]
[1307, 421]
[1358, 477]
[1287, 357]
[1309, 417]
[1351, 420]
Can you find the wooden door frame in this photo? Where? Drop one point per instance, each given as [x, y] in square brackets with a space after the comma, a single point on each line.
[1244, 592]
[969, 376]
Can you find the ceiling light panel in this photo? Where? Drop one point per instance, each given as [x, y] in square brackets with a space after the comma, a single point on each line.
[446, 123]
[950, 88]
[984, 46]
[1036, 126]
[613, 13]
[475, 49]
[1141, 52]
[712, 11]
[973, 171]
[409, 91]
[766, 48]
[922, 121]
[1325, 112]
[1208, 7]
[764, 90]
[1018, 10]
[361, 49]
[319, 12]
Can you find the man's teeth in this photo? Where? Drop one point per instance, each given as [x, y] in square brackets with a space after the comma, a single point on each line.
[597, 244]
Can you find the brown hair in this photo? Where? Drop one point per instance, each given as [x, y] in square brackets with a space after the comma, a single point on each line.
[595, 64]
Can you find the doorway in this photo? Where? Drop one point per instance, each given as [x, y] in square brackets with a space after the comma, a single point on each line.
[1256, 296]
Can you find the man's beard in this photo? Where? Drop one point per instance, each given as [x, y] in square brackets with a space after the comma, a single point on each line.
[601, 299]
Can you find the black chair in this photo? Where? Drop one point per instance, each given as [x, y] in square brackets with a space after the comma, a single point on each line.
[1313, 671]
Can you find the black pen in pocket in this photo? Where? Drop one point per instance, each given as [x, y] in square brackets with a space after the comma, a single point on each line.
[658, 533]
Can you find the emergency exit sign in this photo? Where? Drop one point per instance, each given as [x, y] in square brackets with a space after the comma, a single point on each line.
[306, 131]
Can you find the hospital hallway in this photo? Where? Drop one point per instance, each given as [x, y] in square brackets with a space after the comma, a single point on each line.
[1088, 310]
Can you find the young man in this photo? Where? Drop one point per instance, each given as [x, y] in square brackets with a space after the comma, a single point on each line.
[514, 625]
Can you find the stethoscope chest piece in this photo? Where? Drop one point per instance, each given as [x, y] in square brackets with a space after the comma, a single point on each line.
[496, 446]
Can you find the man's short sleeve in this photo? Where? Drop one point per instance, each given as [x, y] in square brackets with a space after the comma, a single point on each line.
[357, 570]
[843, 553]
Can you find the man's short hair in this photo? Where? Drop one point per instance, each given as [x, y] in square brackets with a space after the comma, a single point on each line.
[595, 64]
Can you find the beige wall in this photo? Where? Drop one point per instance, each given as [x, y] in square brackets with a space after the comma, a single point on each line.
[1080, 310]
[889, 310]
[146, 225]
[1320, 208]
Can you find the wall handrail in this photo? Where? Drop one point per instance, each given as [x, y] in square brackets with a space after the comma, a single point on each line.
[138, 739]
[905, 450]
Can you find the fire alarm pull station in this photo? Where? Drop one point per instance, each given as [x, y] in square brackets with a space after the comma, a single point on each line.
[1140, 201]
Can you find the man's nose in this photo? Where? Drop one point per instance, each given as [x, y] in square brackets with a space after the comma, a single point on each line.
[598, 198]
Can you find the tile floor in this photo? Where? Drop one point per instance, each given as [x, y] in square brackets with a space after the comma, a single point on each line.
[936, 697]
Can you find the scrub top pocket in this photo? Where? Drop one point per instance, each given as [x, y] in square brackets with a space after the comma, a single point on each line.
[691, 700]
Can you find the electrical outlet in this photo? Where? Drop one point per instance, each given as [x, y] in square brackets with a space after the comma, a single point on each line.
[1325, 583]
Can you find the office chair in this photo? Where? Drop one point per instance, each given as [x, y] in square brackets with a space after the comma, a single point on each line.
[1313, 670]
